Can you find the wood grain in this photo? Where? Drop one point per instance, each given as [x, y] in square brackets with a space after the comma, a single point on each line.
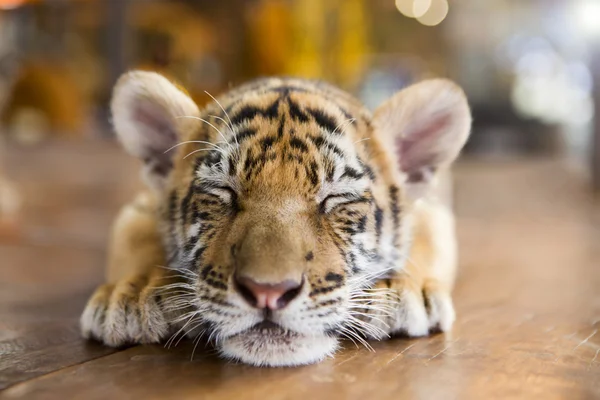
[528, 300]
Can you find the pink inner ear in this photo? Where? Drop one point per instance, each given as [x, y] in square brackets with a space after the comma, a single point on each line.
[419, 146]
[156, 133]
[158, 129]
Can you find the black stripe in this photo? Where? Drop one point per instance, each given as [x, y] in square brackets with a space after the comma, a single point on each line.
[352, 263]
[370, 172]
[299, 144]
[195, 213]
[189, 246]
[362, 224]
[325, 121]
[232, 165]
[352, 173]
[199, 252]
[321, 142]
[333, 277]
[205, 271]
[185, 203]
[378, 221]
[352, 202]
[329, 170]
[212, 158]
[395, 209]
[295, 111]
[281, 126]
[172, 206]
[244, 134]
[313, 173]
[216, 284]
[267, 142]
[249, 112]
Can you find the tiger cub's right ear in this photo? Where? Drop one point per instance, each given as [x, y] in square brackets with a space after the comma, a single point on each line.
[145, 108]
[425, 125]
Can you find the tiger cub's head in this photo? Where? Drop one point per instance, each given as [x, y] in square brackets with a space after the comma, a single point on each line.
[283, 200]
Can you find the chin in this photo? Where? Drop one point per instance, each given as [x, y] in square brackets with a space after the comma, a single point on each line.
[275, 347]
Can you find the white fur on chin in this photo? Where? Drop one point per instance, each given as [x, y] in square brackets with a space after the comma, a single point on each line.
[301, 350]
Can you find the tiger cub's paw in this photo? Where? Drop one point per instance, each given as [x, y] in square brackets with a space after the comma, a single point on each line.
[128, 312]
[400, 306]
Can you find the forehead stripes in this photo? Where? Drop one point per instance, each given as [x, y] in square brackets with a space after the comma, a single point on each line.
[249, 112]
[290, 137]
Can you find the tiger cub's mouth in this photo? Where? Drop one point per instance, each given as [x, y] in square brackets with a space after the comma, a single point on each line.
[270, 344]
[270, 330]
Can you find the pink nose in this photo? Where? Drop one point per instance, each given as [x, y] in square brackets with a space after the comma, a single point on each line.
[264, 295]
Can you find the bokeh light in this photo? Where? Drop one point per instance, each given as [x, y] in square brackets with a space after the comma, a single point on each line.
[420, 7]
[427, 12]
[435, 13]
[587, 13]
[405, 7]
[10, 4]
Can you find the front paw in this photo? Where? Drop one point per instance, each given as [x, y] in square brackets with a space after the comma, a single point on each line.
[127, 312]
[401, 306]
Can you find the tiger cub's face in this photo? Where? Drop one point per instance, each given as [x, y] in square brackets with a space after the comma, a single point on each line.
[283, 201]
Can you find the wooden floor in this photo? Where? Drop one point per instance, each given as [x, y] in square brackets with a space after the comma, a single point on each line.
[528, 298]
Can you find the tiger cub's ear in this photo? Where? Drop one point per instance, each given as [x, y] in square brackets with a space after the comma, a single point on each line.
[145, 108]
[426, 124]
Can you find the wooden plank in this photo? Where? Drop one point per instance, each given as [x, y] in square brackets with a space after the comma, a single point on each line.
[35, 349]
[42, 292]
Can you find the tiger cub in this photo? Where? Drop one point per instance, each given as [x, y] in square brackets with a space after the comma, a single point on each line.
[281, 218]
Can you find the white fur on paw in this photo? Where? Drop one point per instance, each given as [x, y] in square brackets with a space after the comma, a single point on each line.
[116, 318]
[91, 321]
[440, 310]
[154, 324]
[93, 317]
[402, 313]
[134, 325]
[406, 311]
[410, 317]
[116, 329]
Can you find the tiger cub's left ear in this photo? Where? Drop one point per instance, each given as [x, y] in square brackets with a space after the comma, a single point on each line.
[426, 124]
[146, 111]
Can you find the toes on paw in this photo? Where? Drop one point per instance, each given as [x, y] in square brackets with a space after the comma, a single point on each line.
[440, 311]
[154, 327]
[411, 319]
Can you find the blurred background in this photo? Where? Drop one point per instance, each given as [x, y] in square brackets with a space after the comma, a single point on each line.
[529, 67]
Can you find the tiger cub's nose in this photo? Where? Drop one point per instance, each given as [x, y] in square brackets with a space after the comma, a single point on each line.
[267, 295]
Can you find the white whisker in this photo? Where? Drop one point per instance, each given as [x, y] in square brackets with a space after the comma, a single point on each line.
[172, 338]
[367, 327]
[215, 147]
[206, 122]
[362, 140]
[349, 120]
[361, 340]
[227, 115]
[197, 151]
[197, 341]
[355, 313]
[343, 333]
[231, 130]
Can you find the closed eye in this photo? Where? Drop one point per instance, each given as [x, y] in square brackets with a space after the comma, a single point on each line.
[330, 202]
